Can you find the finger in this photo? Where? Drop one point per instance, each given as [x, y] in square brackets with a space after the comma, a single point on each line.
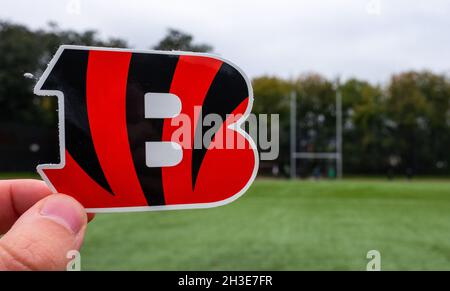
[43, 235]
[16, 197]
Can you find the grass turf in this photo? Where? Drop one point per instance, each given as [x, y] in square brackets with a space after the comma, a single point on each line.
[285, 225]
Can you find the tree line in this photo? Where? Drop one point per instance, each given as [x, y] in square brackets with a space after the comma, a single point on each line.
[402, 125]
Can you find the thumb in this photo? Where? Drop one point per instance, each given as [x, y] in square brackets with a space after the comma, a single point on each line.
[41, 238]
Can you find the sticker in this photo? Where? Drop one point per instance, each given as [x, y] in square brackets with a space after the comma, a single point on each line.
[149, 130]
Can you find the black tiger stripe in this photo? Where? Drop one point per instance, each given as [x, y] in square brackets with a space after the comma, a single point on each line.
[69, 76]
[227, 91]
[147, 73]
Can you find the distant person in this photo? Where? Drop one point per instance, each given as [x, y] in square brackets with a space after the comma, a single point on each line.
[394, 161]
[317, 173]
[275, 170]
[39, 227]
[331, 173]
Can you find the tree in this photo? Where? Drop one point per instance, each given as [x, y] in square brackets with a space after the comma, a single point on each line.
[418, 106]
[26, 51]
[408, 118]
[272, 97]
[316, 113]
[178, 40]
[363, 127]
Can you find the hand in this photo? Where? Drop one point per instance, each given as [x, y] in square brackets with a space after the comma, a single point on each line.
[40, 227]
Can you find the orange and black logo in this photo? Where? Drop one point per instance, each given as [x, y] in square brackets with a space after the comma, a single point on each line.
[119, 111]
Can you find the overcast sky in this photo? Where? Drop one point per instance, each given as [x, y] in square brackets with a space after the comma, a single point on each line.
[369, 39]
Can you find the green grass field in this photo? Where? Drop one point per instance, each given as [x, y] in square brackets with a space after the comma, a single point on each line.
[282, 225]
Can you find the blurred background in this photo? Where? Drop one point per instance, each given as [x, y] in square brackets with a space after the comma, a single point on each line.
[371, 83]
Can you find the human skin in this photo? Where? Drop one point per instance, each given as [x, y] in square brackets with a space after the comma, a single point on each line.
[39, 228]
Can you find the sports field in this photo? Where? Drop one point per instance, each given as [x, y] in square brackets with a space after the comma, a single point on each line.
[283, 225]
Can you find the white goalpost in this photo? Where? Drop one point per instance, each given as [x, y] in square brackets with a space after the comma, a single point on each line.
[337, 156]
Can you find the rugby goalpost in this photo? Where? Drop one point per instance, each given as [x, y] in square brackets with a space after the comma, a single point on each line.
[294, 155]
